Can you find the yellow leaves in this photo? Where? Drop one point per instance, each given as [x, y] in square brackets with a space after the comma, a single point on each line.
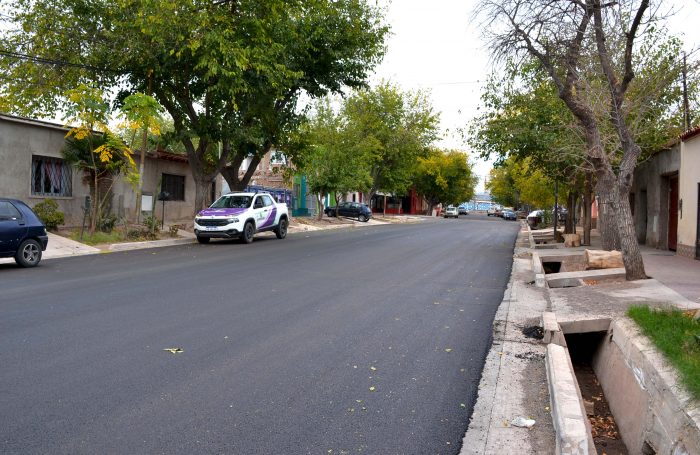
[448, 349]
[104, 152]
[372, 389]
[79, 133]
[174, 350]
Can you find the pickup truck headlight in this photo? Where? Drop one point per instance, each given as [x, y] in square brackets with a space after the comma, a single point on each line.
[233, 220]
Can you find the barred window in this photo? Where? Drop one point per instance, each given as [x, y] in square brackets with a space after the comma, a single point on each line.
[175, 186]
[51, 177]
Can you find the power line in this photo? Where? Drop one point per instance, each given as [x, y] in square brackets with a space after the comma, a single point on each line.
[48, 61]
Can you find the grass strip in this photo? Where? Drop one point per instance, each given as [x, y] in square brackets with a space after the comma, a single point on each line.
[677, 336]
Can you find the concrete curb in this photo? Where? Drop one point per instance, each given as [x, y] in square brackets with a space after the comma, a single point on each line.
[149, 244]
[573, 436]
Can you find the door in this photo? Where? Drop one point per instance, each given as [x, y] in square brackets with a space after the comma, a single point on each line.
[673, 213]
[12, 227]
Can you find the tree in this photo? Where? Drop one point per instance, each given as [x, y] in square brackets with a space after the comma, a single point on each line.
[142, 112]
[332, 163]
[228, 73]
[94, 149]
[394, 129]
[559, 36]
[444, 177]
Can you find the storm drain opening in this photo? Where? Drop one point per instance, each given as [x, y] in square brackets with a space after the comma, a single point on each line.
[606, 436]
[551, 266]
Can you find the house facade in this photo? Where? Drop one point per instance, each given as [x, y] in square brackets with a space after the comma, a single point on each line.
[653, 198]
[32, 169]
[689, 195]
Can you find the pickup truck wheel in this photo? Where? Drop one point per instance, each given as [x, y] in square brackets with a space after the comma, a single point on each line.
[28, 254]
[203, 239]
[248, 233]
[362, 218]
[281, 230]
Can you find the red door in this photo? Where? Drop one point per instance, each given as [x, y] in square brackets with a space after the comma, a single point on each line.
[673, 214]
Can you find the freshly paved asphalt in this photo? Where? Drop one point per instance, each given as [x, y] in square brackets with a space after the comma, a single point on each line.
[369, 340]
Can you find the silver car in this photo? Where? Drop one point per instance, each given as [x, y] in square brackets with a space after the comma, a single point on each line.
[451, 211]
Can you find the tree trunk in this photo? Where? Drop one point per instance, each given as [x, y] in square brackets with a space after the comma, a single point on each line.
[319, 203]
[569, 225]
[587, 202]
[202, 185]
[631, 254]
[607, 212]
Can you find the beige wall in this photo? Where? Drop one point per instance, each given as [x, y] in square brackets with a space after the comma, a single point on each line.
[688, 194]
[20, 139]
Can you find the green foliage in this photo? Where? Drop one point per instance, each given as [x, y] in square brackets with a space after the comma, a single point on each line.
[517, 181]
[152, 224]
[445, 176]
[676, 335]
[332, 163]
[392, 129]
[227, 73]
[107, 222]
[48, 213]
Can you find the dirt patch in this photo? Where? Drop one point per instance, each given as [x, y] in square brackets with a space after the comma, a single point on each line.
[603, 428]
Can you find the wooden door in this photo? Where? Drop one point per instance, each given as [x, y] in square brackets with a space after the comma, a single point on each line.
[673, 213]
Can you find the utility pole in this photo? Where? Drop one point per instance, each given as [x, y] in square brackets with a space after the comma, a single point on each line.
[686, 106]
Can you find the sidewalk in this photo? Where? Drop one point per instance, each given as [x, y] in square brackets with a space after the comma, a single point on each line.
[514, 381]
[60, 247]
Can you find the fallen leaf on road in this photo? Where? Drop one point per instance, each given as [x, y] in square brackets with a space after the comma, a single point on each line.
[372, 368]
[372, 389]
[448, 349]
[462, 405]
[436, 303]
[174, 350]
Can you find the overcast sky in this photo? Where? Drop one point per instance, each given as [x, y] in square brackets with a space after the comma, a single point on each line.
[436, 46]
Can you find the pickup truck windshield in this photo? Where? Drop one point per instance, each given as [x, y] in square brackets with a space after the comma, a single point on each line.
[232, 202]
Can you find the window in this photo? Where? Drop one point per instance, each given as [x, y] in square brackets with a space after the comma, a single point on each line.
[267, 200]
[51, 177]
[8, 211]
[174, 185]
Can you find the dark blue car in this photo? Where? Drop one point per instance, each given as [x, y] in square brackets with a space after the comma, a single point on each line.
[22, 235]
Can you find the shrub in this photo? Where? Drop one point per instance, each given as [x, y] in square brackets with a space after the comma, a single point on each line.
[106, 224]
[152, 224]
[48, 213]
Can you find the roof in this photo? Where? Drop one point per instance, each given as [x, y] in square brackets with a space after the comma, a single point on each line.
[33, 122]
[691, 133]
[169, 156]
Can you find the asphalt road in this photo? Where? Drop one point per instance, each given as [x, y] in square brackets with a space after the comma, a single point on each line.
[368, 340]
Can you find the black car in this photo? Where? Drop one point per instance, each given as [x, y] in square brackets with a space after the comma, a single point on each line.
[351, 210]
[22, 235]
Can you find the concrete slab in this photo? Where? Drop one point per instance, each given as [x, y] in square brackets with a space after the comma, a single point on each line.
[60, 247]
[571, 279]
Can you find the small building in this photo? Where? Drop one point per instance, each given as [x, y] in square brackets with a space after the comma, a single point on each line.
[689, 195]
[653, 198]
[32, 169]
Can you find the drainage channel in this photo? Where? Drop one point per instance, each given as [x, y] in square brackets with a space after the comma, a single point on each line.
[606, 436]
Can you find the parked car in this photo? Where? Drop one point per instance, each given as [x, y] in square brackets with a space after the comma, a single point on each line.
[451, 211]
[494, 210]
[509, 215]
[241, 215]
[462, 210]
[534, 218]
[22, 235]
[350, 210]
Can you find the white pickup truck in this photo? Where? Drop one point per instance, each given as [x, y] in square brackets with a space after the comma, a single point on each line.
[241, 215]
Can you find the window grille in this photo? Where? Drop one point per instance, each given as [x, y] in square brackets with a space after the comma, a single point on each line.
[51, 177]
[175, 185]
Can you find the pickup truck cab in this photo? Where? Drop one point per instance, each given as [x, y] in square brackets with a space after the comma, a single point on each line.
[241, 215]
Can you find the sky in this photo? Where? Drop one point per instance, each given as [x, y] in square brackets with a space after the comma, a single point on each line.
[437, 46]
